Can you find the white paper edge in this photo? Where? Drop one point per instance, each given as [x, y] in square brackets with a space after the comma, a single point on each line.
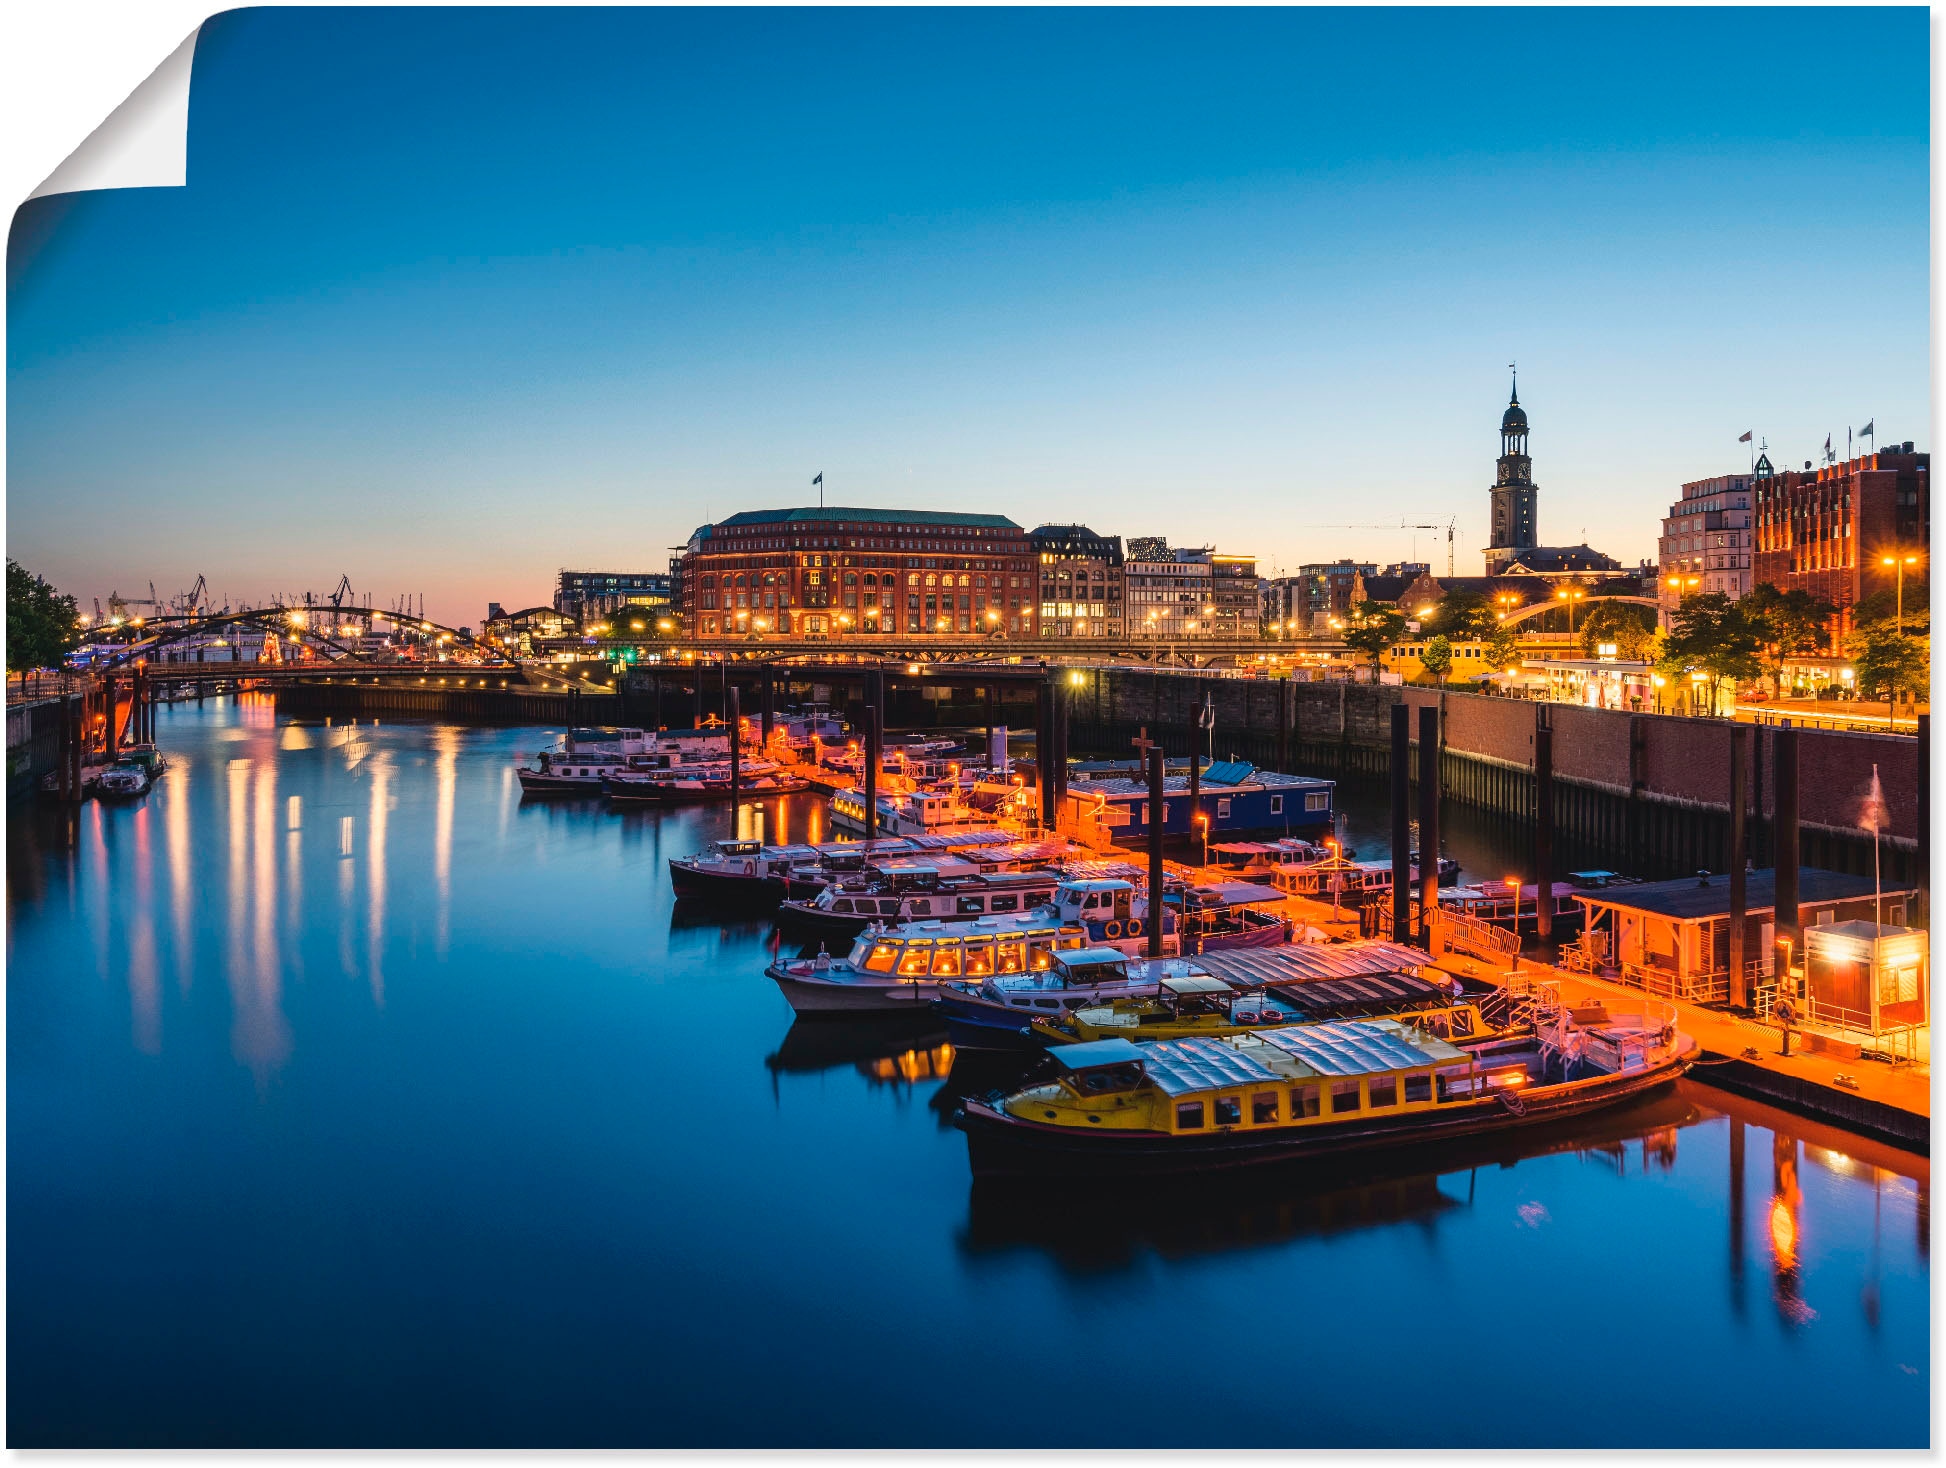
[144, 143]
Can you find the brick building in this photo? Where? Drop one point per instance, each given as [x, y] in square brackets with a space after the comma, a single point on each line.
[1080, 581]
[1826, 530]
[1705, 543]
[833, 572]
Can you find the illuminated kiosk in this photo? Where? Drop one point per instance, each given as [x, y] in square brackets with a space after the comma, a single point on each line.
[1869, 979]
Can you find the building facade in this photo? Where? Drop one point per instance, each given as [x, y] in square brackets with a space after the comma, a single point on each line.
[1080, 581]
[1192, 595]
[1828, 531]
[590, 595]
[1513, 520]
[1705, 542]
[1324, 593]
[833, 572]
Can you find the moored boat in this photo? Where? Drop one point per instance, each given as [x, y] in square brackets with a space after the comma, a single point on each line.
[126, 779]
[890, 969]
[748, 873]
[1301, 1091]
[699, 784]
[997, 1012]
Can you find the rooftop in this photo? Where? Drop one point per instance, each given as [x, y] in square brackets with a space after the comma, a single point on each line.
[1689, 898]
[836, 514]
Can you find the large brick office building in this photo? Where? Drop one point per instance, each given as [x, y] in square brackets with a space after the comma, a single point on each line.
[838, 572]
[1827, 530]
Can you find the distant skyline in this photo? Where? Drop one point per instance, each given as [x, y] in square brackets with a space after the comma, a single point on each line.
[455, 298]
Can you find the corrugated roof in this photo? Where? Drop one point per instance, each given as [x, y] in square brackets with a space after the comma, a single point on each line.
[1356, 1047]
[1296, 963]
[1196, 1064]
[839, 515]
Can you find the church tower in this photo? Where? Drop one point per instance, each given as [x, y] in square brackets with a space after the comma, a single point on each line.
[1513, 526]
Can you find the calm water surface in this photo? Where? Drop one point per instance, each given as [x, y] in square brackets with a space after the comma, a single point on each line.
[352, 1101]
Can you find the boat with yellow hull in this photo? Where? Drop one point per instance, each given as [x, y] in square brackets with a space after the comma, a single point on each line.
[1114, 1107]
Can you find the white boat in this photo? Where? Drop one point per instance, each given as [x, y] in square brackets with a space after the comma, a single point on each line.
[579, 765]
[892, 970]
[915, 813]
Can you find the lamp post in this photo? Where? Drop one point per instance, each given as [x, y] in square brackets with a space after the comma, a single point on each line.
[1203, 821]
[1570, 597]
[1899, 563]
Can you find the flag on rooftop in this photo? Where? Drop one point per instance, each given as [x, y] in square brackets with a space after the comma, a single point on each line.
[1867, 429]
[1746, 435]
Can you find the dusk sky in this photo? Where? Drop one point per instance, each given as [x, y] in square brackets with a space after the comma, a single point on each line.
[455, 298]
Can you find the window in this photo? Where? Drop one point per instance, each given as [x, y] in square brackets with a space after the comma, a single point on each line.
[971, 906]
[1384, 1091]
[1277, 805]
[1189, 1115]
[1304, 1101]
[1263, 1108]
[914, 961]
[1319, 801]
[1418, 1088]
[1222, 808]
[1229, 1110]
[879, 961]
[1344, 1097]
[1006, 903]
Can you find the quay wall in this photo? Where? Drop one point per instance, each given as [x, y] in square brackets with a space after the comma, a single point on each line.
[447, 705]
[1649, 790]
[33, 742]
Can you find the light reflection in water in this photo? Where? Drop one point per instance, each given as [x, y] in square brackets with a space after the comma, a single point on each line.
[182, 914]
[144, 985]
[445, 780]
[381, 776]
[262, 1035]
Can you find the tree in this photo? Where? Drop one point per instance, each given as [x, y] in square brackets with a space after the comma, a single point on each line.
[1709, 634]
[1438, 658]
[634, 621]
[1463, 616]
[1374, 627]
[1503, 648]
[1625, 624]
[42, 624]
[1885, 660]
[1787, 624]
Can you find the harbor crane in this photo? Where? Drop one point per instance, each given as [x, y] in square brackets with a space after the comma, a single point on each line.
[1449, 527]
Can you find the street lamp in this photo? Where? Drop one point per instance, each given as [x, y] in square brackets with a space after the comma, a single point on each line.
[1570, 597]
[1900, 563]
[1203, 821]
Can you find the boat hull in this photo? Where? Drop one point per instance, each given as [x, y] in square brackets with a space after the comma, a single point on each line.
[759, 893]
[532, 782]
[1002, 1146]
[797, 916]
[811, 997]
[696, 794]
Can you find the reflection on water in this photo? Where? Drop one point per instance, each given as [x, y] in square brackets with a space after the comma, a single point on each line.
[482, 1137]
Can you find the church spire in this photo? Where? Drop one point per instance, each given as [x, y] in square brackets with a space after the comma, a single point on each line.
[1514, 400]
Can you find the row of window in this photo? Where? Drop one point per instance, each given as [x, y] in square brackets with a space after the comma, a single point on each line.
[1345, 1097]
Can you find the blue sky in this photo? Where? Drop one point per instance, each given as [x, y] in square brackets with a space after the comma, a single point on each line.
[454, 297]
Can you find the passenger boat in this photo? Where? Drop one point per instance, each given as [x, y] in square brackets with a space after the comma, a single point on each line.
[997, 1012]
[950, 889]
[1202, 1004]
[747, 871]
[916, 813]
[899, 968]
[1225, 915]
[1311, 1090]
[699, 783]
[125, 779]
[585, 758]
[1258, 861]
[1113, 914]
[1350, 878]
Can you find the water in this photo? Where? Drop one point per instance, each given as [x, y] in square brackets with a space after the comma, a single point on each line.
[352, 1101]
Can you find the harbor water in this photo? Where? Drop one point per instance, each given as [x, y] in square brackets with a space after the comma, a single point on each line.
[353, 1101]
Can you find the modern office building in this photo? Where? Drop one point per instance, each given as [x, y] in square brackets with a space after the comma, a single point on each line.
[590, 595]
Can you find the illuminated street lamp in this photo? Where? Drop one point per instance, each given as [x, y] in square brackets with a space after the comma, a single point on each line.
[1900, 563]
[1570, 597]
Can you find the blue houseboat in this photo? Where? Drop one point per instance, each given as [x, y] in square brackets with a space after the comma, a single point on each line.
[1236, 798]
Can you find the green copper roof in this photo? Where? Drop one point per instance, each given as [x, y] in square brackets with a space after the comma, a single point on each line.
[838, 514]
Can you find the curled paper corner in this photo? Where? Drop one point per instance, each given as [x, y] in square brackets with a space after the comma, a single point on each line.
[143, 144]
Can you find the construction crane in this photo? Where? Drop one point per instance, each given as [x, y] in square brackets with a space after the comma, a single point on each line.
[1449, 527]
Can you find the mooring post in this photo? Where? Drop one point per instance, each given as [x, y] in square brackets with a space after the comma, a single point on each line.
[1923, 906]
[1401, 832]
[1739, 851]
[1157, 815]
[113, 742]
[769, 711]
[1428, 822]
[1543, 830]
[696, 721]
[732, 715]
[1786, 930]
[872, 757]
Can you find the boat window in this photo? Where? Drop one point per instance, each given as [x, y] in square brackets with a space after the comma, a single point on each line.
[1013, 955]
[1277, 805]
[1263, 1107]
[882, 955]
[1047, 1004]
[1040, 953]
[972, 906]
[945, 959]
[1006, 903]
[1071, 940]
[921, 907]
[1222, 810]
[889, 906]
[1384, 1090]
[915, 959]
[1344, 1097]
[843, 904]
[1418, 1088]
[979, 956]
[1229, 1110]
[1189, 1115]
[1317, 802]
[1304, 1101]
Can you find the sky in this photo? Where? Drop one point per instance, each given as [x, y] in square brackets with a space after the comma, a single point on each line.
[456, 298]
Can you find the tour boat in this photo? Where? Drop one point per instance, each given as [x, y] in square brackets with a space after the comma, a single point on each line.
[912, 814]
[1202, 1004]
[701, 783]
[890, 969]
[997, 1012]
[585, 758]
[1308, 1090]
[1113, 914]
[748, 872]
[916, 891]
[1225, 915]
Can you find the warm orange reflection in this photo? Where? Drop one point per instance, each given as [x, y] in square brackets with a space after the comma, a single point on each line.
[445, 781]
[934, 1063]
[381, 773]
[182, 912]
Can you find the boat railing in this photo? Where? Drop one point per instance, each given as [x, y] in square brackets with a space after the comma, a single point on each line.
[1467, 935]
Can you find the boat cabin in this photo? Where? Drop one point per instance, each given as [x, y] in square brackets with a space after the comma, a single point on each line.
[1233, 796]
[971, 950]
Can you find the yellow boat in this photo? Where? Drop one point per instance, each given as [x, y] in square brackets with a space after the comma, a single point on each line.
[1197, 1004]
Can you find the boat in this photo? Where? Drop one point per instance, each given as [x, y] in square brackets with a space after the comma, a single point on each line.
[1114, 914]
[1218, 915]
[747, 871]
[125, 779]
[1115, 1107]
[699, 783]
[913, 813]
[585, 758]
[903, 891]
[804, 725]
[1259, 861]
[997, 1011]
[1202, 1004]
[1351, 879]
[901, 968]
